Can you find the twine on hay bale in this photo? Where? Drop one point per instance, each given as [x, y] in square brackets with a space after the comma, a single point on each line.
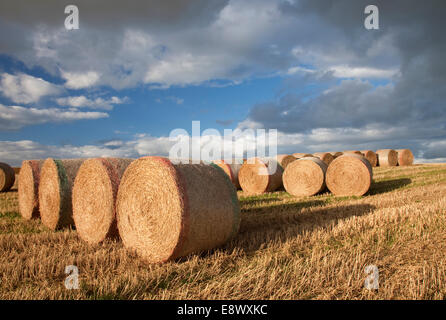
[231, 169]
[299, 155]
[28, 188]
[94, 195]
[405, 157]
[285, 159]
[371, 156]
[336, 154]
[305, 177]
[257, 176]
[349, 175]
[167, 211]
[327, 157]
[56, 182]
[387, 158]
[7, 177]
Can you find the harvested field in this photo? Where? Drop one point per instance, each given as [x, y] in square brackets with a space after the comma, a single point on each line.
[287, 248]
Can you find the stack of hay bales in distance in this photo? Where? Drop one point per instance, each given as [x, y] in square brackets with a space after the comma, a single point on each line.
[7, 177]
[327, 157]
[299, 155]
[387, 157]
[167, 211]
[305, 177]
[371, 156]
[349, 175]
[405, 157]
[231, 169]
[28, 188]
[56, 182]
[258, 176]
[94, 198]
[285, 159]
[336, 154]
[359, 153]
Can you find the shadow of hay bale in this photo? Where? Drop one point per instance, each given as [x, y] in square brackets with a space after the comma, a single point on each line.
[388, 185]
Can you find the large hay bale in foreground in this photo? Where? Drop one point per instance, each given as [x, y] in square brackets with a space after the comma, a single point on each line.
[231, 169]
[305, 177]
[349, 175]
[7, 177]
[28, 188]
[387, 158]
[405, 157]
[327, 157]
[299, 155]
[94, 198]
[56, 183]
[257, 176]
[285, 159]
[166, 211]
[371, 156]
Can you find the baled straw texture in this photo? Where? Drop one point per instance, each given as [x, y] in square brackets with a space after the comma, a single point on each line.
[285, 159]
[231, 169]
[349, 175]
[327, 157]
[299, 155]
[7, 177]
[359, 153]
[336, 154]
[305, 177]
[56, 183]
[405, 157]
[167, 211]
[94, 198]
[28, 188]
[371, 156]
[387, 157]
[257, 176]
[16, 170]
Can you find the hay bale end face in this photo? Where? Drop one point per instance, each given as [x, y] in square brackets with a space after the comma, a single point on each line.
[28, 188]
[285, 159]
[405, 157]
[387, 158]
[327, 157]
[7, 177]
[166, 211]
[371, 156]
[231, 169]
[94, 198]
[349, 175]
[56, 182]
[299, 155]
[305, 177]
[257, 176]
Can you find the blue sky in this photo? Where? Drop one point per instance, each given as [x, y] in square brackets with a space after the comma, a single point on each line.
[131, 74]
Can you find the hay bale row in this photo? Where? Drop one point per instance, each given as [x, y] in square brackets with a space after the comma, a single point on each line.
[299, 155]
[371, 156]
[405, 157]
[94, 195]
[56, 182]
[285, 159]
[232, 170]
[387, 157]
[7, 177]
[28, 188]
[257, 176]
[305, 177]
[166, 211]
[327, 157]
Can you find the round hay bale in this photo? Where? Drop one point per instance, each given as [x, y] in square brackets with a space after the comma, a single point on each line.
[94, 198]
[327, 157]
[16, 170]
[231, 169]
[167, 211]
[387, 158]
[305, 177]
[285, 159]
[299, 155]
[359, 153]
[56, 182]
[371, 156]
[336, 154]
[28, 188]
[256, 176]
[349, 175]
[405, 157]
[7, 177]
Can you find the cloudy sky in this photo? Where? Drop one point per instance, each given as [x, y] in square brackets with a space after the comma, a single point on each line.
[136, 70]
